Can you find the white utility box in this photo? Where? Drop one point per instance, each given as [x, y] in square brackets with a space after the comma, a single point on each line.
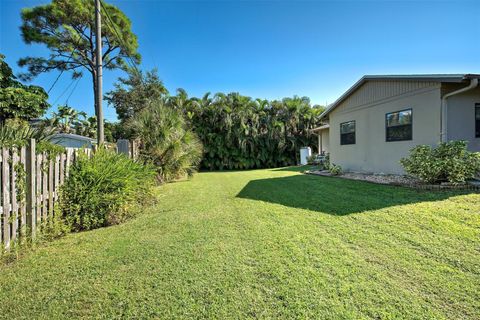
[304, 154]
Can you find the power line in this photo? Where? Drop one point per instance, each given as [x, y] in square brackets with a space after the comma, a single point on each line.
[71, 92]
[64, 91]
[113, 26]
[61, 72]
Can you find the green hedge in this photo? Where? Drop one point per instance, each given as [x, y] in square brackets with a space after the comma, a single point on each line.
[104, 190]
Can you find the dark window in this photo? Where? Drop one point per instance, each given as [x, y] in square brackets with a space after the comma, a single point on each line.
[347, 132]
[399, 125]
[477, 120]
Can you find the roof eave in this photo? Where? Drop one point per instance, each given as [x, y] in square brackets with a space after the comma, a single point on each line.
[456, 78]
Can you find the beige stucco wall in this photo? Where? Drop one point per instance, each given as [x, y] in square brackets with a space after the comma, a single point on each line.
[461, 118]
[372, 153]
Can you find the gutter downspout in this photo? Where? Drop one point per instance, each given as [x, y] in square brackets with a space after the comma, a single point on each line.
[443, 113]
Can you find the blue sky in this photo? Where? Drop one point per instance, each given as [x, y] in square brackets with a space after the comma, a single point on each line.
[273, 49]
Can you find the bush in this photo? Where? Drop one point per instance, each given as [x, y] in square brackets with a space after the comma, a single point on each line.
[449, 161]
[311, 160]
[335, 169]
[104, 190]
[165, 141]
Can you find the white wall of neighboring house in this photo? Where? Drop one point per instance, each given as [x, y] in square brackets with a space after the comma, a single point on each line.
[71, 141]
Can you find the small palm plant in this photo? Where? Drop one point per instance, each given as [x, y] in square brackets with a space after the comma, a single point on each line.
[166, 142]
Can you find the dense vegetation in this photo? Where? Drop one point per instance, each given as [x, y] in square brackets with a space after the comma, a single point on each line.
[449, 161]
[165, 141]
[237, 132]
[104, 189]
[17, 100]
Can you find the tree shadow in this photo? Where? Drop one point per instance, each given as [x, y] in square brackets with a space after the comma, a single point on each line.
[336, 196]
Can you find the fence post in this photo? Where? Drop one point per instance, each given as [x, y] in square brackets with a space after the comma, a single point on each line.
[30, 196]
[134, 149]
[123, 147]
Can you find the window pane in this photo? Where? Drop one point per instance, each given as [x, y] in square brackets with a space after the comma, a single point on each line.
[347, 127]
[347, 138]
[477, 120]
[399, 118]
[399, 133]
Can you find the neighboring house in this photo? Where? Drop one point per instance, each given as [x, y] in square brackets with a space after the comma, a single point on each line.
[380, 118]
[72, 140]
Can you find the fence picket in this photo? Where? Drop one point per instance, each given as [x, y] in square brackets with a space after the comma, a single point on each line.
[50, 187]
[40, 181]
[6, 196]
[62, 169]
[13, 196]
[38, 188]
[23, 197]
[56, 178]
[30, 187]
[44, 186]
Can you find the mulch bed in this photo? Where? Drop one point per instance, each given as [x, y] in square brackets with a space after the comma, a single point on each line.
[396, 180]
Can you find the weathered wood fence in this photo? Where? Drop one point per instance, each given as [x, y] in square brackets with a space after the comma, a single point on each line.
[29, 190]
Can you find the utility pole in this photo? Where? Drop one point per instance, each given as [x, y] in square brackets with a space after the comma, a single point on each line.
[98, 60]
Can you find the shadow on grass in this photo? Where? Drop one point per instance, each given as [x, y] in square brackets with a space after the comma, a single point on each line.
[335, 196]
[296, 168]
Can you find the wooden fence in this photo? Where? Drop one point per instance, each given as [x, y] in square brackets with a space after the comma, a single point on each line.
[30, 183]
[29, 188]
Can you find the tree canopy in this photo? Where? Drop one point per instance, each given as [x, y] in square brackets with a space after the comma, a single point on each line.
[237, 132]
[66, 27]
[131, 94]
[18, 100]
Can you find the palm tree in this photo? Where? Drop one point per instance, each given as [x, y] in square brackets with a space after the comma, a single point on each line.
[66, 119]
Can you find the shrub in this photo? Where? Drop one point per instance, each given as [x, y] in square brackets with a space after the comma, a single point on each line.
[335, 169]
[312, 159]
[449, 161]
[104, 190]
[165, 141]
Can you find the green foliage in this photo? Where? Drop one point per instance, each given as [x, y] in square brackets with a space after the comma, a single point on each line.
[449, 161]
[66, 28]
[69, 120]
[53, 228]
[18, 100]
[335, 169]
[17, 133]
[165, 141]
[312, 159]
[134, 93]
[241, 133]
[104, 190]
[237, 132]
[52, 150]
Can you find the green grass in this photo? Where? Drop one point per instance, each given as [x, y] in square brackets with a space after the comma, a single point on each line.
[263, 244]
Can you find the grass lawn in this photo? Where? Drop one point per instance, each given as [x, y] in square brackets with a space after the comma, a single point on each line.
[263, 244]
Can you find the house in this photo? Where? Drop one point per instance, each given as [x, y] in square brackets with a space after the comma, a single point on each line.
[69, 140]
[380, 118]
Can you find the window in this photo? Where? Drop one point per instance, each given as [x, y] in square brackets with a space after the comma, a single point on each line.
[477, 120]
[399, 125]
[347, 132]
